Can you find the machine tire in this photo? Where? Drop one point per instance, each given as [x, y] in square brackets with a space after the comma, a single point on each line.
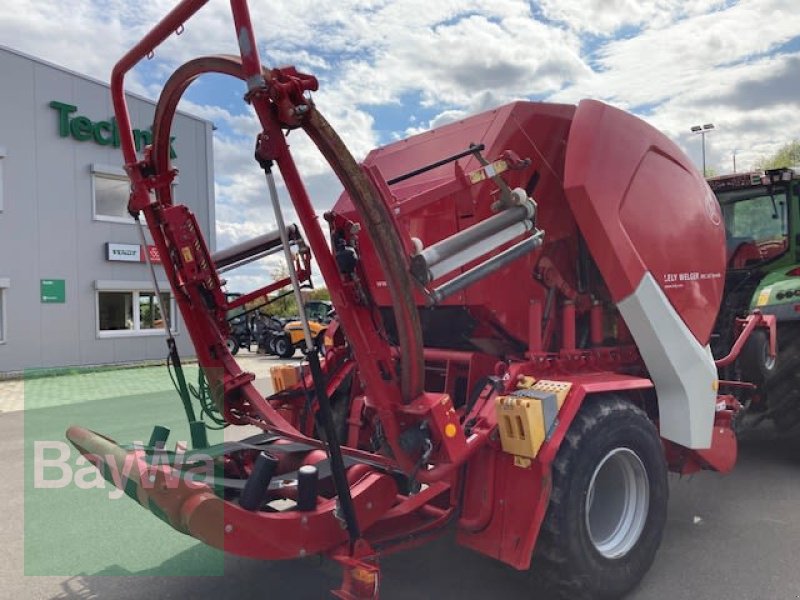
[754, 361]
[233, 345]
[284, 347]
[612, 454]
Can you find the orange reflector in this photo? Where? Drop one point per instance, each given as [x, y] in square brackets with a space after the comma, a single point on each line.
[364, 576]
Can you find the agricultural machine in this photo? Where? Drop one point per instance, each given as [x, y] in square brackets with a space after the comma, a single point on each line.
[524, 303]
[317, 316]
[762, 227]
[242, 306]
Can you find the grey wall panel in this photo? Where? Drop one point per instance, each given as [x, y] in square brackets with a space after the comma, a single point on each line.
[47, 228]
[59, 186]
[19, 234]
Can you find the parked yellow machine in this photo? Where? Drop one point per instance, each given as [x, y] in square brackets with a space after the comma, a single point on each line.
[318, 315]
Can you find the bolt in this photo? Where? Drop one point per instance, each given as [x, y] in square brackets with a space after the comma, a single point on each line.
[228, 528]
[302, 552]
[369, 505]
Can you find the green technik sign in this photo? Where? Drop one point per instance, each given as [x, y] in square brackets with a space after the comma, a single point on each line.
[104, 133]
[52, 291]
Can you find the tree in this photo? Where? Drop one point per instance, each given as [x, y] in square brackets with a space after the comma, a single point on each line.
[319, 294]
[286, 306]
[787, 155]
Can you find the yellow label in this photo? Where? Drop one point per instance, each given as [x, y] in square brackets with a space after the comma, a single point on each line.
[522, 462]
[187, 254]
[763, 297]
[526, 382]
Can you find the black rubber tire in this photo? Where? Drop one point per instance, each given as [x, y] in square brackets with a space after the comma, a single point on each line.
[782, 389]
[284, 347]
[754, 362]
[271, 345]
[233, 345]
[566, 561]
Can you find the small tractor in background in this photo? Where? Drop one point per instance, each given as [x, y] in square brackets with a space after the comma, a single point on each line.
[524, 301]
[291, 338]
[761, 214]
[241, 334]
[246, 323]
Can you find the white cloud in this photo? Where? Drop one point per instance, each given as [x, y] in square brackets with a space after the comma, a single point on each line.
[606, 17]
[678, 63]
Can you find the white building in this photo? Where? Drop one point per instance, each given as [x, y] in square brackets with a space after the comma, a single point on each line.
[74, 288]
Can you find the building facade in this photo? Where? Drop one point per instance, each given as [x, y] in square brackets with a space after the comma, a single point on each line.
[74, 286]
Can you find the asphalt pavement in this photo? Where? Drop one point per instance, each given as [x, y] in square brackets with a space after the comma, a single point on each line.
[735, 537]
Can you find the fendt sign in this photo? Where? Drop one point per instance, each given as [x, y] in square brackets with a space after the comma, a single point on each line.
[104, 133]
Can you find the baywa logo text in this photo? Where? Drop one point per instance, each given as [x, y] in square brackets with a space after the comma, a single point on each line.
[56, 465]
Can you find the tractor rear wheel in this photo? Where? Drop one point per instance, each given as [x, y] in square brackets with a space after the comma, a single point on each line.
[608, 504]
[284, 347]
[756, 364]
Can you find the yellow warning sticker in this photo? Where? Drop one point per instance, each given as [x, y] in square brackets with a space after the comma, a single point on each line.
[763, 297]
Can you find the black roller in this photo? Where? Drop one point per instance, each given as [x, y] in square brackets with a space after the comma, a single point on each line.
[158, 437]
[257, 486]
[307, 488]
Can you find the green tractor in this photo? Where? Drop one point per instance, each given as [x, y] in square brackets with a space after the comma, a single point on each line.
[762, 224]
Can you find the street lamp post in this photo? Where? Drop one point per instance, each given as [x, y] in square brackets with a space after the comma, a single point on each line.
[702, 130]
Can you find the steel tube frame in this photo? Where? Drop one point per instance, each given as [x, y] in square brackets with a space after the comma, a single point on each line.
[372, 353]
[245, 250]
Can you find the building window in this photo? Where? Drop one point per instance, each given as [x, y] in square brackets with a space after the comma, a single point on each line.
[111, 194]
[4, 284]
[132, 313]
[111, 190]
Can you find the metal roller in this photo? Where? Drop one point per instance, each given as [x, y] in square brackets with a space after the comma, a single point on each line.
[474, 241]
[253, 249]
[487, 268]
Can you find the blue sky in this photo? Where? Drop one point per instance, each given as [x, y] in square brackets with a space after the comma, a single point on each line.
[389, 69]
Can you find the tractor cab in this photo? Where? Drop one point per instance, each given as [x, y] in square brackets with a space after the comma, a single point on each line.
[319, 310]
[755, 210]
[762, 221]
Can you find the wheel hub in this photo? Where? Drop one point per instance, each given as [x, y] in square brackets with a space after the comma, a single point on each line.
[617, 503]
